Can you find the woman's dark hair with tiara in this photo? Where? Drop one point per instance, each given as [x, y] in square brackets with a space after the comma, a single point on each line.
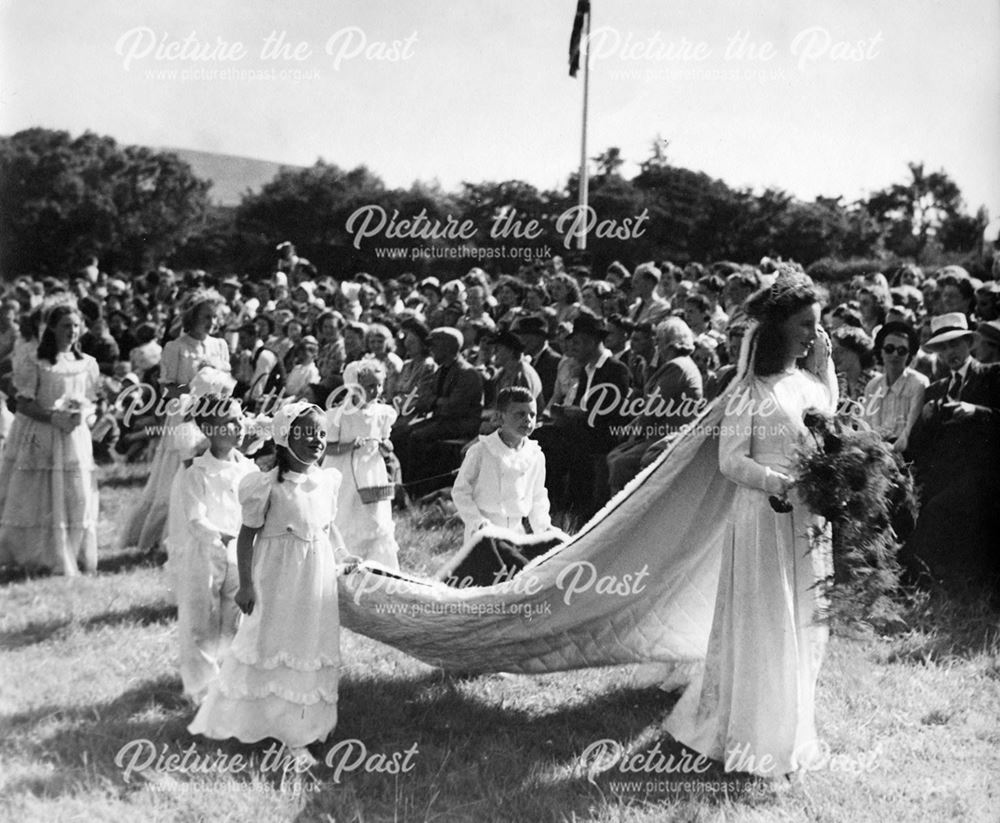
[771, 306]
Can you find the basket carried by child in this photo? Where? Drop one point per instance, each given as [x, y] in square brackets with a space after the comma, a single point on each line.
[370, 494]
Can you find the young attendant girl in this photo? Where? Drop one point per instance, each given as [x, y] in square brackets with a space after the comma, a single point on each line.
[203, 557]
[182, 359]
[279, 678]
[358, 434]
[48, 490]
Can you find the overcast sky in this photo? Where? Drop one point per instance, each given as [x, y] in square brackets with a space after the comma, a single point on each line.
[826, 98]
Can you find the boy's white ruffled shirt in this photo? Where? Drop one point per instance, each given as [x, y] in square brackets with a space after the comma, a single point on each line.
[500, 485]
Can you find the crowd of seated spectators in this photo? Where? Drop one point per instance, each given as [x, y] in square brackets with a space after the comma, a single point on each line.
[618, 360]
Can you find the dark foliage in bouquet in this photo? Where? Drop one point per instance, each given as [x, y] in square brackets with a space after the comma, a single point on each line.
[857, 482]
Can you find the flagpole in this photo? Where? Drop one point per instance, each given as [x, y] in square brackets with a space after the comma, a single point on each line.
[584, 188]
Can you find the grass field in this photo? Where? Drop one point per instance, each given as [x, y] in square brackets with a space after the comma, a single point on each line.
[912, 722]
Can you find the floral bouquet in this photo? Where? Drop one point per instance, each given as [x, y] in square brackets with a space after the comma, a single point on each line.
[854, 480]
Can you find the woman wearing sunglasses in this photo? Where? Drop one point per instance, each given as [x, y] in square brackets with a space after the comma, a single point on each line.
[893, 399]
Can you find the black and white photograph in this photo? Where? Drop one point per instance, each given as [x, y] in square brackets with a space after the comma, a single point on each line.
[581, 410]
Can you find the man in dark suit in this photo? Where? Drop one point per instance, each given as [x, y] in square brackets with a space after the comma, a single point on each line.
[955, 445]
[533, 331]
[672, 397]
[581, 434]
[448, 407]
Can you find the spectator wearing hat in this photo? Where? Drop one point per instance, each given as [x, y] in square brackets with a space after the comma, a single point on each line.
[893, 399]
[449, 408]
[955, 445]
[957, 291]
[647, 306]
[579, 438]
[986, 348]
[988, 301]
[739, 286]
[620, 329]
[418, 366]
[294, 268]
[513, 368]
[533, 332]
[672, 394]
[854, 360]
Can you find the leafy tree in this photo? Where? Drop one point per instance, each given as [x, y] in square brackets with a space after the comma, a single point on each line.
[63, 198]
[912, 212]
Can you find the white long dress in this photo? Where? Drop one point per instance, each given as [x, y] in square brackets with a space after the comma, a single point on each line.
[753, 709]
[367, 528]
[48, 488]
[279, 678]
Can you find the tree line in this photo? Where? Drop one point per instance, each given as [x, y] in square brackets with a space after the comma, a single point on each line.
[63, 199]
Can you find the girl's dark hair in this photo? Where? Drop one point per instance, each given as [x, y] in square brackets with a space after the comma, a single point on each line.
[899, 330]
[771, 306]
[47, 345]
[283, 460]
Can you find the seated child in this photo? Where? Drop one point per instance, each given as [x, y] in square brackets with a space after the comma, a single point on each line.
[502, 478]
[203, 557]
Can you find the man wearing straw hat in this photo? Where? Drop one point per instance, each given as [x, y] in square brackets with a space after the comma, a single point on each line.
[956, 448]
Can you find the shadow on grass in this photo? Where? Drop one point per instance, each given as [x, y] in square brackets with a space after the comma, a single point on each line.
[122, 561]
[475, 756]
[479, 757]
[31, 634]
[144, 615]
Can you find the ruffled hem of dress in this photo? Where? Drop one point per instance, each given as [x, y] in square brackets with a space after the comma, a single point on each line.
[309, 698]
[287, 661]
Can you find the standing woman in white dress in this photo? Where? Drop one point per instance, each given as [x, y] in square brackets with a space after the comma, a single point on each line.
[179, 363]
[753, 708]
[48, 490]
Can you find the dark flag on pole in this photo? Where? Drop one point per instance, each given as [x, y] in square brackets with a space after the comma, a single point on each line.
[582, 9]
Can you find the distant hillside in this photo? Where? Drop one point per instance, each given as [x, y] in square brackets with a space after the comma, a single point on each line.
[231, 176]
